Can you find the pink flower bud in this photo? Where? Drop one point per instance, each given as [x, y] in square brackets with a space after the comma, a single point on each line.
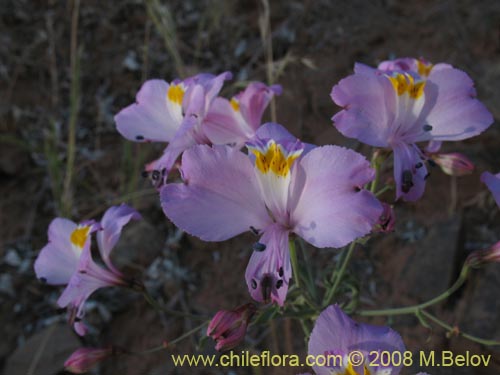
[481, 257]
[454, 164]
[387, 220]
[84, 358]
[228, 327]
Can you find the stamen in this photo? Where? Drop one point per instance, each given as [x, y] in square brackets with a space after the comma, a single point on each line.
[427, 128]
[419, 165]
[254, 284]
[254, 230]
[266, 285]
[280, 272]
[279, 284]
[139, 137]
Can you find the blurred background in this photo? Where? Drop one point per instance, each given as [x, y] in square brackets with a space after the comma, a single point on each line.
[67, 67]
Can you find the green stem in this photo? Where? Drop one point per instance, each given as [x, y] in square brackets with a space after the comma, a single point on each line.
[294, 261]
[453, 329]
[164, 309]
[376, 165]
[383, 190]
[413, 309]
[338, 275]
[173, 342]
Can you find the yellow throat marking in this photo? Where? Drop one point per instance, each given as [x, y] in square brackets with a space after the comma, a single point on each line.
[424, 69]
[235, 104]
[274, 160]
[175, 93]
[79, 236]
[404, 83]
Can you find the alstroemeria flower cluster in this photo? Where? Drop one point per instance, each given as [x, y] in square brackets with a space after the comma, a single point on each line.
[337, 339]
[404, 102]
[281, 187]
[67, 259]
[188, 112]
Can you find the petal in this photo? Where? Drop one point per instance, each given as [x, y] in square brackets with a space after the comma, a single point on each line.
[114, 219]
[269, 271]
[220, 197]
[223, 125]
[493, 183]
[57, 261]
[254, 100]
[331, 209]
[410, 180]
[456, 114]
[335, 333]
[368, 102]
[150, 118]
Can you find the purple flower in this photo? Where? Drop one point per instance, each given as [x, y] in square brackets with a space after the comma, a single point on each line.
[83, 359]
[335, 336]
[281, 187]
[228, 327]
[492, 181]
[235, 121]
[404, 102]
[67, 259]
[171, 113]
[453, 164]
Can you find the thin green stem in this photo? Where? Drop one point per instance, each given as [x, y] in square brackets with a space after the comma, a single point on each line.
[376, 164]
[455, 329]
[383, 190]
[337, 276]
[161, 308]
[413, 309]
[166, 345]
[310, 278]
[294, 261]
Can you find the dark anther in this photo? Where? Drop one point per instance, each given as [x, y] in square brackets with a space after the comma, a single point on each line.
[254, 284]
[43, 280]
[83, 272]
[77, 319]
[139, 137]
[266, 285]
[427, 176]
[163, 172]
[432, 163]
[407, 182]
[258, 246]
[427, 128]
[357, 189]
[279, 284]
[155, 175]
[280, 272]
[145, 174]
[419, 165]
[254, 231]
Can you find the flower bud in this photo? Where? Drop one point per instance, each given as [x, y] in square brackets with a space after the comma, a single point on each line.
[228, 327]
[454, 164]
[387, 219]
[84, 358]
[481, 257]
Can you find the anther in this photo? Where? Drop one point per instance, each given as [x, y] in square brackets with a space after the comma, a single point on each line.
[43, 280]
[432, 163]
[139, 137]
[254, 230]
[254, 284]
[155, 175]
[427, 128]
[279, 284]
[419, 165]
[258, 246]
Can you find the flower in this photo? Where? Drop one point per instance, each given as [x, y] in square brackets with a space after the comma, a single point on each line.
[67, 259]
[83, 359]
[335, 337]
[282, 187]
[235, 121]
[228, 327]
[454, 164]
[387, 220]
[404, 102]
[492, 181]
[170, 112]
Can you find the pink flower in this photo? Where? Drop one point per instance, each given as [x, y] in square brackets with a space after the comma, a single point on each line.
[67, 260]
[453, 164]
[404, 102]
[228, 327]
[83, 359]
[283, 186]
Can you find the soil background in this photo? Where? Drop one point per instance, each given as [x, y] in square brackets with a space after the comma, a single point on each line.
[315, 43]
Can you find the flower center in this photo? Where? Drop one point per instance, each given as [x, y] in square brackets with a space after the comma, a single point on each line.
[405, 83]
[275, 158]
[175, 93]
[79, 236]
